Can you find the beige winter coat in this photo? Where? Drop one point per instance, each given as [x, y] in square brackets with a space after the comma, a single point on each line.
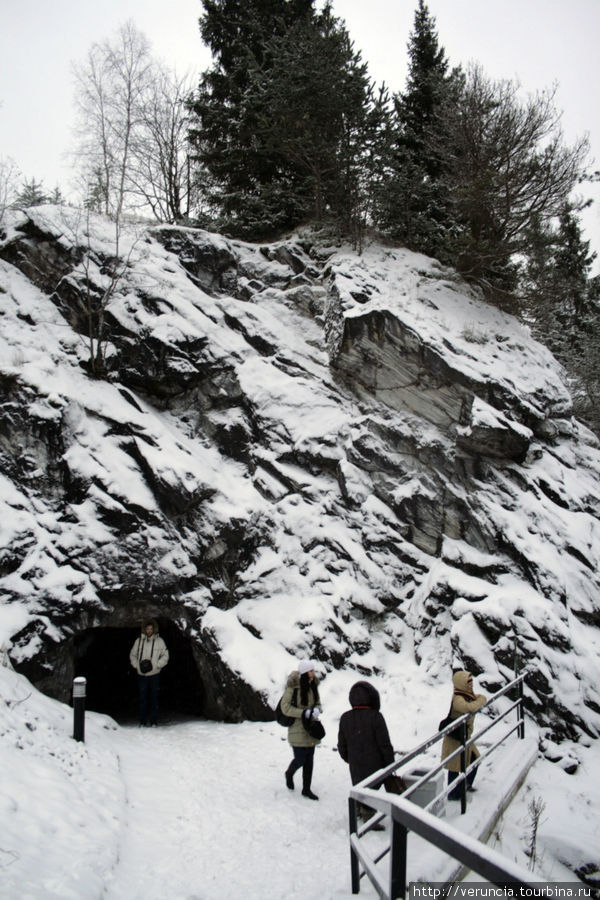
[463, 701]
[298, 736]
[152, 648]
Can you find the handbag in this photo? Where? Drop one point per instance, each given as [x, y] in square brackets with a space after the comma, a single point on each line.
[456, 733]
[314, 727]
[394, 784]
[280, 716]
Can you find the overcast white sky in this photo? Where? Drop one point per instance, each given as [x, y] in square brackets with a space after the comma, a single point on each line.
[538, 41]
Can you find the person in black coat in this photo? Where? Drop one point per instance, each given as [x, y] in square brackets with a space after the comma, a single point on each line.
[363, 738]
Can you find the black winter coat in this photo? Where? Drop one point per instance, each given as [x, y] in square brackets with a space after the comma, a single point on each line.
[363, 738]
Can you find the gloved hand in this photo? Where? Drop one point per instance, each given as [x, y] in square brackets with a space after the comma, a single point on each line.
[307, 714]
[316, 714]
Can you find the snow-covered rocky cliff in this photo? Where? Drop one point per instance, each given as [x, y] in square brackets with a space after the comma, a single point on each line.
[292, 450]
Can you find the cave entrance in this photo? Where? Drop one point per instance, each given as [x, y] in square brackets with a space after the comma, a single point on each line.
[102, 656]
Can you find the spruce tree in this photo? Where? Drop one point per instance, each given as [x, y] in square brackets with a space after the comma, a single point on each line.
[282, 117]
[537, 275]
[32, 193]
[555, 281]
[244, 184]
[314, 116]
[573, 261]
[561, 303]
[425, 91]
[414, 201]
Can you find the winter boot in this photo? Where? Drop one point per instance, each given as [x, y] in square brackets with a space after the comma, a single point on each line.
[289, 775]
[306, 780]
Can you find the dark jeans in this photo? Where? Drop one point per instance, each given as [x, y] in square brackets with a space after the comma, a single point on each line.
[303, 759]
[457, 792]
[148, 688]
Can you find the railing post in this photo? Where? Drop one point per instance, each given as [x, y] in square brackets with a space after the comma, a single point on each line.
[463, 769]
[521, 710]
[398, 860]
[79, 686]
[354, 871]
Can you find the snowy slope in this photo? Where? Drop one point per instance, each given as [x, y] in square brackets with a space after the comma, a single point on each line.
[249, 470]
[233, 474]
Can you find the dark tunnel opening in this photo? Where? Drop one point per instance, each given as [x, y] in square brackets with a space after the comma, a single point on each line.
[102, 656]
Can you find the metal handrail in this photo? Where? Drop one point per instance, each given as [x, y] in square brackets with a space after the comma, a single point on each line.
[402, 810]
[406, 816]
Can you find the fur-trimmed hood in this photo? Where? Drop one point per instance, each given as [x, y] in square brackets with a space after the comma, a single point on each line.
[154, 624]
[294, 680]
[364, 694]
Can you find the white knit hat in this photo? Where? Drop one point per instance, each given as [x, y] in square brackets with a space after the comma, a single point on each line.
[305, 665]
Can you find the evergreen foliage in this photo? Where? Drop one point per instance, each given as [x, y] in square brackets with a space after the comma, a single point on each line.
[286, 127]
[471, 171]
[573, 261]
[563, 305]
[244, 188]
[556, 285]
[510, 170]
[33, 193]
[413, 199]
[283, 116]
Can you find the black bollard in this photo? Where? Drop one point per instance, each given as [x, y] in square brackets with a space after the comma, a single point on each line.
[79, 686]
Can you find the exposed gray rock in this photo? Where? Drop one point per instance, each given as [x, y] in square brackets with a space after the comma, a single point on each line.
[294, 451]
[379, 352]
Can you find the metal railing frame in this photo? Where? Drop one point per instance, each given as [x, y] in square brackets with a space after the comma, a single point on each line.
[405, 818]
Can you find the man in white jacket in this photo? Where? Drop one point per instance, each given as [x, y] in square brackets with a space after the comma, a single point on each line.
[149, 655]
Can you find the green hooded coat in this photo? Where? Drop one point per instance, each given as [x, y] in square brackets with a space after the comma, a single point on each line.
[298, 736]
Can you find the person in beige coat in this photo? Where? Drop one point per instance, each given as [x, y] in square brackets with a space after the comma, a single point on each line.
[148, 656]
[301, 702]
[464, 700]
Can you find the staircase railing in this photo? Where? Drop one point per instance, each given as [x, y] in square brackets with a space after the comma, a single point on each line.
[406, 816]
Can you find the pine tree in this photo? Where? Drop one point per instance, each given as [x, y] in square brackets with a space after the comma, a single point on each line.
[573, 262]
[32, 193]
[414, 201]
[244, 185]
[282, 117]
[510, 171]
[561, 303]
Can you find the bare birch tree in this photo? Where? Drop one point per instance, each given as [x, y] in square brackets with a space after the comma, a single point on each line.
[9, 177]
[88, 289]
[132, 129]
[111, 87]
[160, 171]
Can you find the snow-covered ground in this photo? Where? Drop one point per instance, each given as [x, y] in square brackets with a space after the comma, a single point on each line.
[199, 809]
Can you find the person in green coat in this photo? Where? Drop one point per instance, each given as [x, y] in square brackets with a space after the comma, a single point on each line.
[301, 702]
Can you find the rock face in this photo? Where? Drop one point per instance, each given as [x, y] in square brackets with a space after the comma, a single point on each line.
[292, 451]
